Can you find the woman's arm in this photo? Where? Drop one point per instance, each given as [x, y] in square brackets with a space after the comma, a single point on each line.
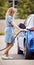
[14, 24]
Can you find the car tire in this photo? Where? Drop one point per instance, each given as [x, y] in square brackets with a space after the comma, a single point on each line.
[27, 54]
[20, 51]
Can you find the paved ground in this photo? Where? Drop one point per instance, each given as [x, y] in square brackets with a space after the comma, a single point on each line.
[17, 59]
[16, 62]
[14, 49]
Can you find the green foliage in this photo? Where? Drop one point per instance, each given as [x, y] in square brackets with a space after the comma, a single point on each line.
[2, 33]
[25, 7]
[3, 12]
[4, 5]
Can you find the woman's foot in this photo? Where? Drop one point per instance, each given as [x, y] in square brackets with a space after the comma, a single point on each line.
[4, 57]
[7, 57]
[6, 53]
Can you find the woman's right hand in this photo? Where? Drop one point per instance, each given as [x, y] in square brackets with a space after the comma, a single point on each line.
[22, 30]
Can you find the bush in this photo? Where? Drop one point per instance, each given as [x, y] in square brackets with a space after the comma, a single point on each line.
[3, 12]
[25, 8]
[4, 5]
[2, 33]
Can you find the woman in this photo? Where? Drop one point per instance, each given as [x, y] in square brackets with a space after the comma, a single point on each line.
[9, 30]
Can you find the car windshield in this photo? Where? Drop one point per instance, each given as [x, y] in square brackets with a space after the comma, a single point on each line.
[29, 20]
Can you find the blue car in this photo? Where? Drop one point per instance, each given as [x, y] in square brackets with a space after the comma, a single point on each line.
[28, 41]
[29, 44]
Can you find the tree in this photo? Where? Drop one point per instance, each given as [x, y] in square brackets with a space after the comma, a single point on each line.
[24, 8]
[4, 5]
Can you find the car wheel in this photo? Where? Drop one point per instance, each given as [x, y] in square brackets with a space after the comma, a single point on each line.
[20, 51]
[27, 53]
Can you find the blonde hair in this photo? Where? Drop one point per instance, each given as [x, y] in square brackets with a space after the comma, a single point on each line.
[9, 11]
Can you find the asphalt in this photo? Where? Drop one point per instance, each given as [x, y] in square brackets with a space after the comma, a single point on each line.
[17, 59]
[13, 52]
[16, 62]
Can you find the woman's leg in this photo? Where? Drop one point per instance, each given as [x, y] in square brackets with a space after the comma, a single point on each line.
[7, 45]
[8, 48]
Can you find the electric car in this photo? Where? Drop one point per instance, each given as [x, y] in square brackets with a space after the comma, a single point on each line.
[28, 44]
[21, 39]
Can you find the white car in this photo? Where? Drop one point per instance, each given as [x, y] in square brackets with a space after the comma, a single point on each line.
[21, 37]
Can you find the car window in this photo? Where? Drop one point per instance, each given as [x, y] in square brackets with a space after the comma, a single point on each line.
[33, 20]
[29, 20]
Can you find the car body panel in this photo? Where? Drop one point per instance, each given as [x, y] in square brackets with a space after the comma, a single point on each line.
[29, 37]
[20, 40]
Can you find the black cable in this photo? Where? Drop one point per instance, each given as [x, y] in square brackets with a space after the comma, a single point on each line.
[12, 41]
[22, 26]
[2, 49]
